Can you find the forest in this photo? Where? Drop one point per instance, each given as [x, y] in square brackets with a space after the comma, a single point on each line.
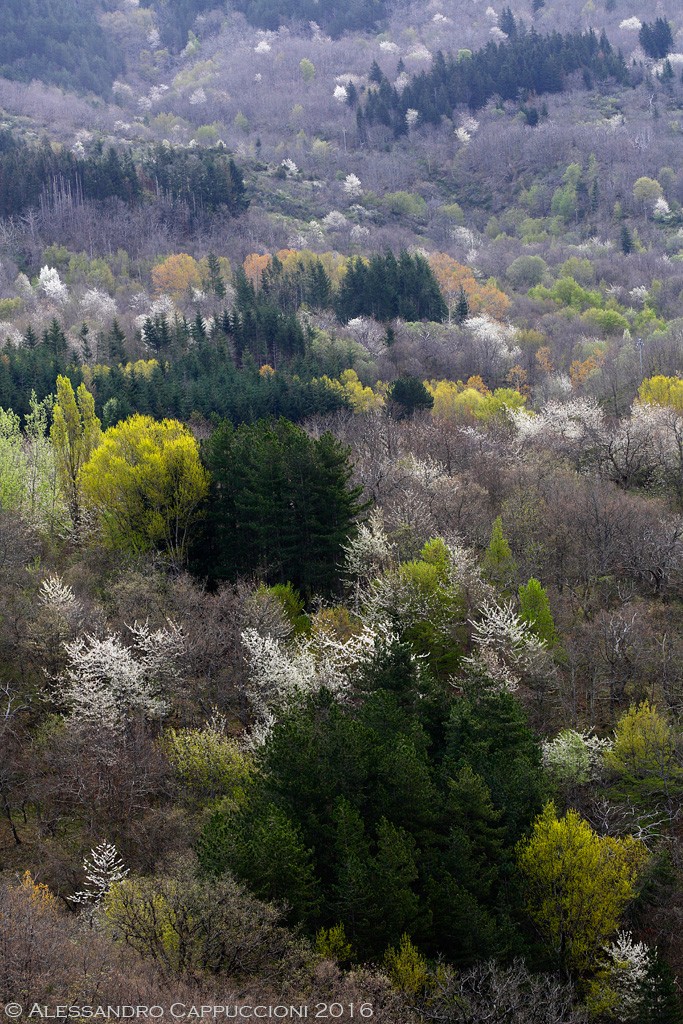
[341, 510]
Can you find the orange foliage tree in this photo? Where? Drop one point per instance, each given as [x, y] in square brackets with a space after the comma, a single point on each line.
[176, 275]
[455, 278]
[254, 265]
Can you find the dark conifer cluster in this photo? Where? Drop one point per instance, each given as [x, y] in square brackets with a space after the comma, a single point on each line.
[205, 180]
[526, 63]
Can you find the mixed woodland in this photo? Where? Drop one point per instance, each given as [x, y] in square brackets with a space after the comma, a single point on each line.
[341, 507]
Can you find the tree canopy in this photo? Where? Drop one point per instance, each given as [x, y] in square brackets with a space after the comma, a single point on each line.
[147, 485]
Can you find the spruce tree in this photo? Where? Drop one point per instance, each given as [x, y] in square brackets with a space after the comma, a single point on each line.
[215, 283]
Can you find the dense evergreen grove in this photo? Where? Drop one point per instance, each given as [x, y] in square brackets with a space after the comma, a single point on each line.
[381, 816]
[204, 180]
[656, 38]
[526, 64]
[60, 42]
[387, 287]
[280, 505]
[333, 17]
[204, 381]
[176, 18]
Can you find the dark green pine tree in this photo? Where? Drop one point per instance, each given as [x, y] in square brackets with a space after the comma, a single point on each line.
[116, 343]
[376, 74]
[656, 38]
[264, 849]
[626, 240]
[408, 395]
[462, 308]
[30, 338]
[197, 330]
[54, 338]
[352, 900]
[239, 201]
[84, 341]
[282, 504]
[394, 882]
[214, 282]
[507, 23]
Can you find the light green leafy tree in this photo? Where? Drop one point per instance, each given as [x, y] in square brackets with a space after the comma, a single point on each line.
[75, 435]
[578, 885]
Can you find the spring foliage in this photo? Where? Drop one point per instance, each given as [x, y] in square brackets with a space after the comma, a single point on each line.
[578, 885]
[147, 485]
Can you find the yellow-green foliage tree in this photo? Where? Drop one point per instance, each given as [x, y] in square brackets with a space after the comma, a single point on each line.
[406, 967]
[578, 885]
[147, 485]
[662, 390]
[463, 402]
[362, 399]
[75, 435]
[209, 764]
[644, 749]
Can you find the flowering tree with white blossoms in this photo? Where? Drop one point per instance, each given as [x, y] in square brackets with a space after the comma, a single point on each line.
[574, 420]
[106, 682]
[574, 758]
[370, 551]
[335, 221]
[103, 869]
[352, 186]
[494, 344]
[626, 977]
[98, 307]
[504, 645]
[280, 674]
[51, 285]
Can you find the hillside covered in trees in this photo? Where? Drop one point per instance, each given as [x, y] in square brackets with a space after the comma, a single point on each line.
[341, 509]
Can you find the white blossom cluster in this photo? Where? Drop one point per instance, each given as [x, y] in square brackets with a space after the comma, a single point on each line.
[661, 209]
[289, 167]
[575, 420]
[352, 186]
[263, 46]
[98, 306]
[51, 285]
[420, 52]
[57, 595]
[106, 682]
[10, 335]
[504, 645]
[370, 552]
[493, 341]
[103, 869]
[574, 758]
[335, 221]
[340, 94]
[629, 966]
[281, 673]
